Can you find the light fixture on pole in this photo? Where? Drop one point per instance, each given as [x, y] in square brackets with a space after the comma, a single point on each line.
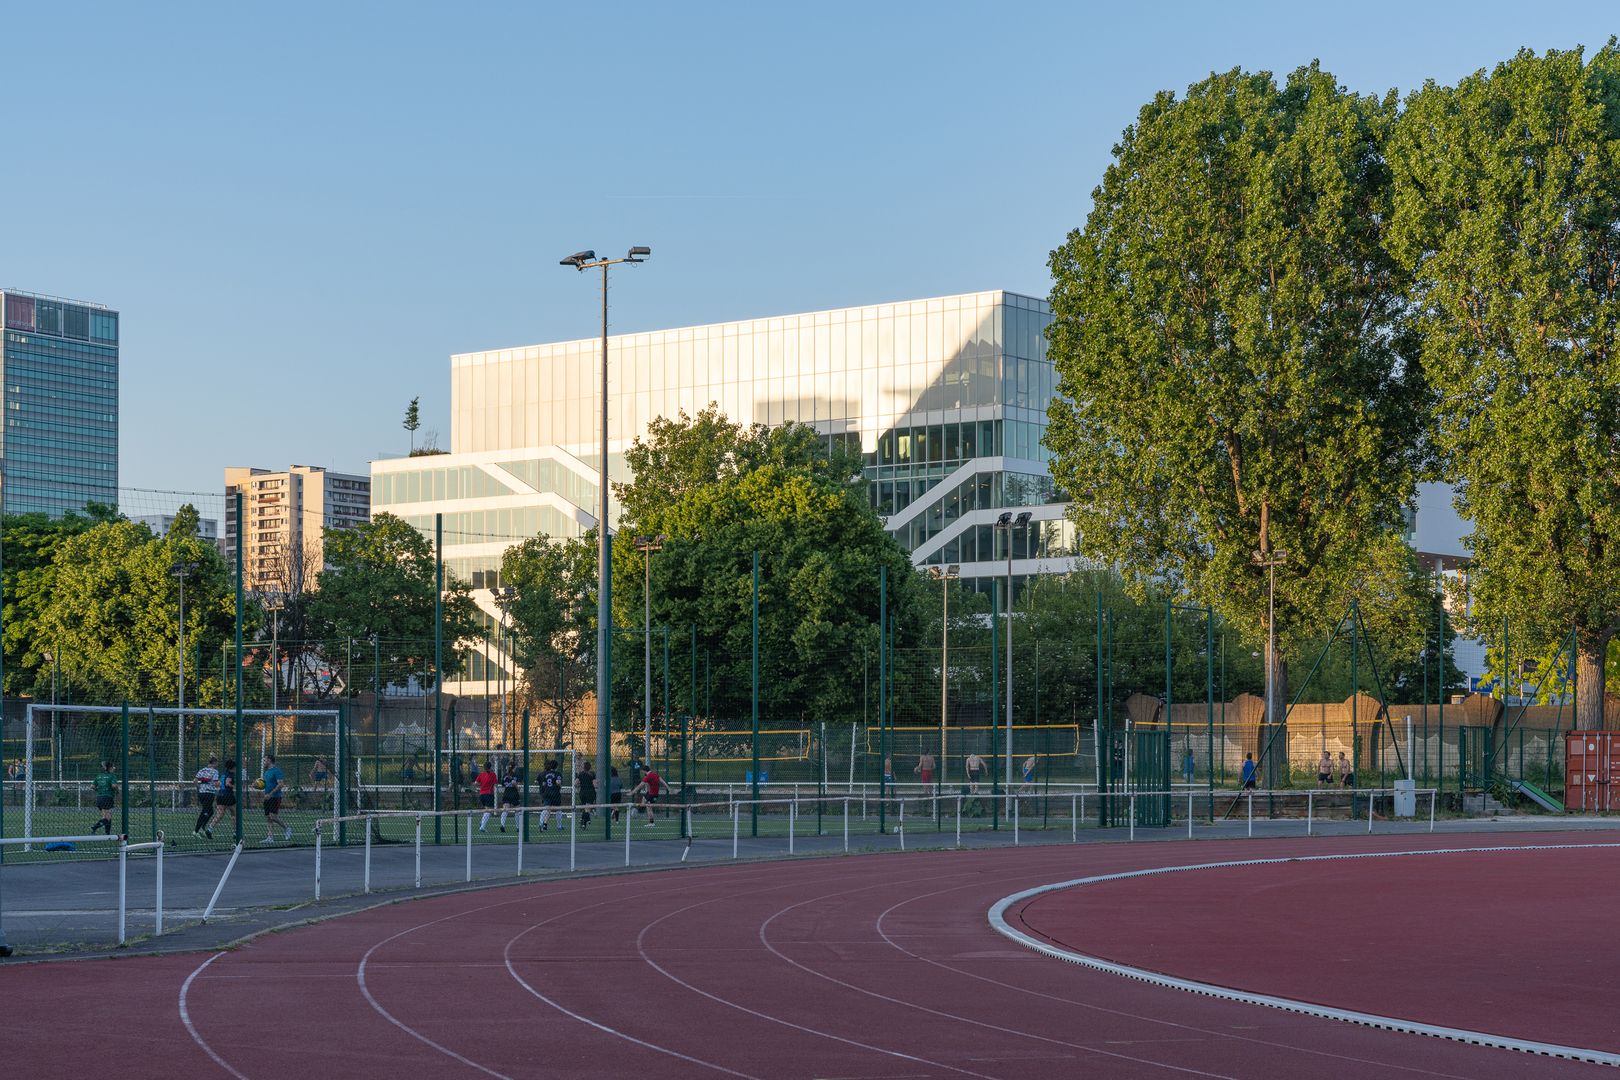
[647, 545]
[944, 575]
[1270, 563]
[273, 604]
[582, 261]
[1006, 521]
[180, 571]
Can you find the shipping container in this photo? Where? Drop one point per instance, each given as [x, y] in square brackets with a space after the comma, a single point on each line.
[1592, 771]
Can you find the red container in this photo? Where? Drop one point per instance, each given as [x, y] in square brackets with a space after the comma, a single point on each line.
[1591, 771]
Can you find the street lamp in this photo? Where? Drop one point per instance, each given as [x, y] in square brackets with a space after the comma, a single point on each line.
[1277, 558]
[504, 595]
[273, 604]
[1007, 521]
[647, 545]
[944, 575]
[582, 261]
[180, 571]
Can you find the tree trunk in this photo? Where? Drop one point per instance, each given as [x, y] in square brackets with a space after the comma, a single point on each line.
[1589, 689]
[1276, 738]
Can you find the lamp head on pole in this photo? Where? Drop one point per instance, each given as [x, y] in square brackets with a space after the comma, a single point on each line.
[578, 260]
[638, 254]
[1005, 518]
[1023, 518]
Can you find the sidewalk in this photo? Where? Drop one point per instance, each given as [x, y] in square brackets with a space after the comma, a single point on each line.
[70, 908]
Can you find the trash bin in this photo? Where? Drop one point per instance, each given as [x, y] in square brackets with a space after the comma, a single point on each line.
[1406, 798]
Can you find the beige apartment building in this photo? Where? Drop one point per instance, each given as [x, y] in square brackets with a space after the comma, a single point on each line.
[285, 514]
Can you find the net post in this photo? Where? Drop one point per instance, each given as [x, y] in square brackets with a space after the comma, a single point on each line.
[846, 823]
[1131, 810]
[157, 928]
[1432, 793]
[1251, 813]
[1015, 819]
[572, 823]
[573, 831]
[1310, 806]
[1189, 814]
[1370, 797]
[1074, 819]
[901, 827]
[734, 817]
[629, 821]
[959, 821]
[123, 884]
[793, 818]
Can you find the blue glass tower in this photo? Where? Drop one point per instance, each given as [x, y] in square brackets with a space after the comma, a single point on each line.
[59, 368]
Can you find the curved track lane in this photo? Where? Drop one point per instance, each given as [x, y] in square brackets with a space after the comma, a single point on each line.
[876, 966]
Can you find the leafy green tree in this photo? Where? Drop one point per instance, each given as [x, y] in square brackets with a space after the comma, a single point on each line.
[1230, 346]
[413, 420]
[30, 542]
[720, 491]
[113, 611]
[1508, 214]
[379, 582]
[553, 622]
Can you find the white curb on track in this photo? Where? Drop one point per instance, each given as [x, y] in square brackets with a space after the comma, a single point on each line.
[998, 920]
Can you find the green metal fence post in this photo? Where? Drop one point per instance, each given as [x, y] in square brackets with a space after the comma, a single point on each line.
[995, 706]
[438, 669]
[123, 773]
[754, 775]
[523, 802]
[342, 767]
[883, 697]
[241, 604]
[1209, 692]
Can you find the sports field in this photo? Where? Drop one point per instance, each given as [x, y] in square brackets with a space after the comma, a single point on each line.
[890, 965]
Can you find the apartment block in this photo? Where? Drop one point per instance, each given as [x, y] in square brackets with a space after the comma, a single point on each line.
[286, 515]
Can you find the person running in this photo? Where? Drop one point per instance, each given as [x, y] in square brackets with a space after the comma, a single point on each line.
[647, 793]
[511, 794]
[1347, 775]
[550, 795]
[1248, 772]
[227, 795]
[925, 769]
[275, 787]
[486, 781]
[207, 792]
[1028, 769]
[973, 767]
[615, 790]
[106, 783]
[584, 793]
[1324, 770]
[888, 771]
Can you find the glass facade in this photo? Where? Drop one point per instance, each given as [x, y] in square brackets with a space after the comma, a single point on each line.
[945, 398]
[59, 363]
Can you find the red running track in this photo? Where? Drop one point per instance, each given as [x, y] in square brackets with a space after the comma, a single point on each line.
[866, 967]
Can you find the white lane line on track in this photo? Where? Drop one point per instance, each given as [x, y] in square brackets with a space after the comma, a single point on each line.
[185, 1018]
[1173, 1024]
[998, 920]
[764, 938]
[641, 948]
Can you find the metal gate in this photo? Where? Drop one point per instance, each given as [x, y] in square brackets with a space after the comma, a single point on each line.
[1150, 772]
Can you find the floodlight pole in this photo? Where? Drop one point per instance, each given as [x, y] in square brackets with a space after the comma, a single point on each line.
[582, 261]
[1275, 559]
[647, 545]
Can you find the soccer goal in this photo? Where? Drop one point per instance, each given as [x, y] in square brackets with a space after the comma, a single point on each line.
[155, 754]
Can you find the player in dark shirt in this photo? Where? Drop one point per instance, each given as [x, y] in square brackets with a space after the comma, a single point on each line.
[550, 794]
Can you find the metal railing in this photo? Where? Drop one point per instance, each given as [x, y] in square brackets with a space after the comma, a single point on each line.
[124, 848]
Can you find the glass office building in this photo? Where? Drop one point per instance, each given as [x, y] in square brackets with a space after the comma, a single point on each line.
[59, 363]
[946, 399]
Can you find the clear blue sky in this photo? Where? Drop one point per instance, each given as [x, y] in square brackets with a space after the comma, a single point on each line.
[302, 209]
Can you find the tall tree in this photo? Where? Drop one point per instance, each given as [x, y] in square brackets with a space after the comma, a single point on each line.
[1229, 343]
[31, 542]
[413, 420]
[379, 582]
[553, 622]
[1508, 213]
[721, 491]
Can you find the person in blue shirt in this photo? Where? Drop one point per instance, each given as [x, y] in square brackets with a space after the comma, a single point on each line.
[275, 786]
[1188, 766]
[1248, 772]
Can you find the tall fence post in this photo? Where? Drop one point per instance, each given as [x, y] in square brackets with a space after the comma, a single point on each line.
[317, 860]
[366, 883]
[469, 846]
[418, 851]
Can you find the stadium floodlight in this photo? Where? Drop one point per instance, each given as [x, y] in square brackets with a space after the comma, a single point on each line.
[587, 260]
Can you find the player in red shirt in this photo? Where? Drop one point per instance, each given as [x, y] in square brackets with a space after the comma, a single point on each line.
[647, 793]
[486, 781]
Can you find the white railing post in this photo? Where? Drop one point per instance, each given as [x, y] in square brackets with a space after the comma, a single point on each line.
[846, 821]
[418, 851]
[28, 785]
[1369, 809]
[793, 820]
[629, 823]
[1074, 819]
[1130, 810]
[1015, 801]
[1189, 814]
[735, 816]
[521, 816]
[317, 860]
[1251, 813]
[366, 882]
[1432, 793]
[958, 820]
[572, 832]
[1310, 806]
[469, 847]
[123, 879]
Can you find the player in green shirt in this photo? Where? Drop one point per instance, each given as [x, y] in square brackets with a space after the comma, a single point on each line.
[106, 783]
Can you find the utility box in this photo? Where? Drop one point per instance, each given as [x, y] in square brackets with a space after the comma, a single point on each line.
[1406, 798]
[1591, 771]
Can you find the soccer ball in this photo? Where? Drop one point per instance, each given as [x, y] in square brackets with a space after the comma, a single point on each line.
[258, 785]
